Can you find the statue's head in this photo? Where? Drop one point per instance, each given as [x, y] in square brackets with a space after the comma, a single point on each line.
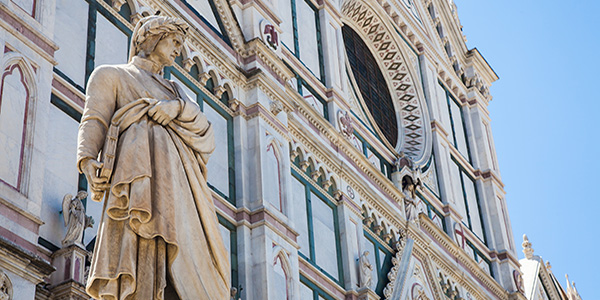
[159, 39]
[82, 195]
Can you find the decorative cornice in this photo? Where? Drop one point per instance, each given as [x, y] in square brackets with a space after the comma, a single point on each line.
[257, 47]
[27, 34]
[467, 261]
[374, 176]
[116, 14]
[319, 279]
[23, 262]
[74, 97]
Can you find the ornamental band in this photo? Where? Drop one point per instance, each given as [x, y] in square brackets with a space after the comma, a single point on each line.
[143, 146]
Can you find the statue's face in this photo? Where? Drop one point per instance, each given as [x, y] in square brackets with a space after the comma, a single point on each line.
[167, 49]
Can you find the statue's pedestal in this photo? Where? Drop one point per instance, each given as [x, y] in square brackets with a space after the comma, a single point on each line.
[367, 294]
[70, 265]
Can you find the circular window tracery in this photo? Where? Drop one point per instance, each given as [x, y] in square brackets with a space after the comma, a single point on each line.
[372, 84]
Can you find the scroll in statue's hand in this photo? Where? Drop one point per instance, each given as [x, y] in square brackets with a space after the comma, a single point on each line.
[164, 111]
[90, 168]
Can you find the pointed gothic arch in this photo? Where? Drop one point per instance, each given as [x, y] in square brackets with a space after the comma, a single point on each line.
[275, 153]
[280, 260]
[17, 108]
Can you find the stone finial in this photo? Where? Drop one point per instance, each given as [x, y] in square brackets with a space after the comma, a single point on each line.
[527, 250]
[548, 266]
[572, 292]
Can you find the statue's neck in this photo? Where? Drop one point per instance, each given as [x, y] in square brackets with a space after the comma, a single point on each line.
[148, 65]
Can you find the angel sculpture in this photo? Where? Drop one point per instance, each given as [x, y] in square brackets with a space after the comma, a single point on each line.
[75, 219]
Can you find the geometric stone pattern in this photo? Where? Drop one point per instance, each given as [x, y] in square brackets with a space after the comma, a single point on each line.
[388, 54]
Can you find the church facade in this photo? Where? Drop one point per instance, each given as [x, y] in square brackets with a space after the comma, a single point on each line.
[354, 159]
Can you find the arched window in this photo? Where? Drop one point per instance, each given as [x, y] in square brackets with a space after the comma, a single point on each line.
[272, 171]
[315, 218]
[280, 277]
[14, 103]
[372, 85]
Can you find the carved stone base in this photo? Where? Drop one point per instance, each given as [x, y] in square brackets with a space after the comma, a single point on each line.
[70, 265]
[69, 290]
[367, 294]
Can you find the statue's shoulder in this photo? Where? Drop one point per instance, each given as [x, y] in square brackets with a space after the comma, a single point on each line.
[109, 72]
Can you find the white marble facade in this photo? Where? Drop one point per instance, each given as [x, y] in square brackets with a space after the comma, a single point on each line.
[300, 191]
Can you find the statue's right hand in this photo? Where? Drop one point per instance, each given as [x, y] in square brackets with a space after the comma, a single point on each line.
[90, 168]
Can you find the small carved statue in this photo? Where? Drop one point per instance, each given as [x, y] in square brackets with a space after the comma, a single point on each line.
[75, 218]
[346, 125]
[409, 188]
[233, 294]
[366, 269]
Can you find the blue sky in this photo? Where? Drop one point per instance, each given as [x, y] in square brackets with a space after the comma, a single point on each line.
[545, 116]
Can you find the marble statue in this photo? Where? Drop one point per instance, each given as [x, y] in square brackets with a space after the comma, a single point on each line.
[143, 146]
[75, 219]
[409, 188]
[366, 269]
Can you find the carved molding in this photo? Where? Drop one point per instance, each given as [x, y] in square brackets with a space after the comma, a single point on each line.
[405, 90]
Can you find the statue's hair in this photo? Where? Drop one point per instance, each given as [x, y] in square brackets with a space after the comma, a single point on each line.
[150, 30]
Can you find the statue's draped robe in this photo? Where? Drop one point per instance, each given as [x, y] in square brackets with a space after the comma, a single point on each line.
[159, 220]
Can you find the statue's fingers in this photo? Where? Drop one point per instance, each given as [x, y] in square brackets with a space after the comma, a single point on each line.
[99, 180]
[156, 117]
[166, 121]
[102, 186]
[152, 111]
[96, 164]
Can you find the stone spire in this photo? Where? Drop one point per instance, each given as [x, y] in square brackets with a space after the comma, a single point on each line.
[527, 247]
[572, 292]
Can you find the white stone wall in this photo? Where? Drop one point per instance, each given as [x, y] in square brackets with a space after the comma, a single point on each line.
[70, 26]
[111, 43]
[61, 175]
